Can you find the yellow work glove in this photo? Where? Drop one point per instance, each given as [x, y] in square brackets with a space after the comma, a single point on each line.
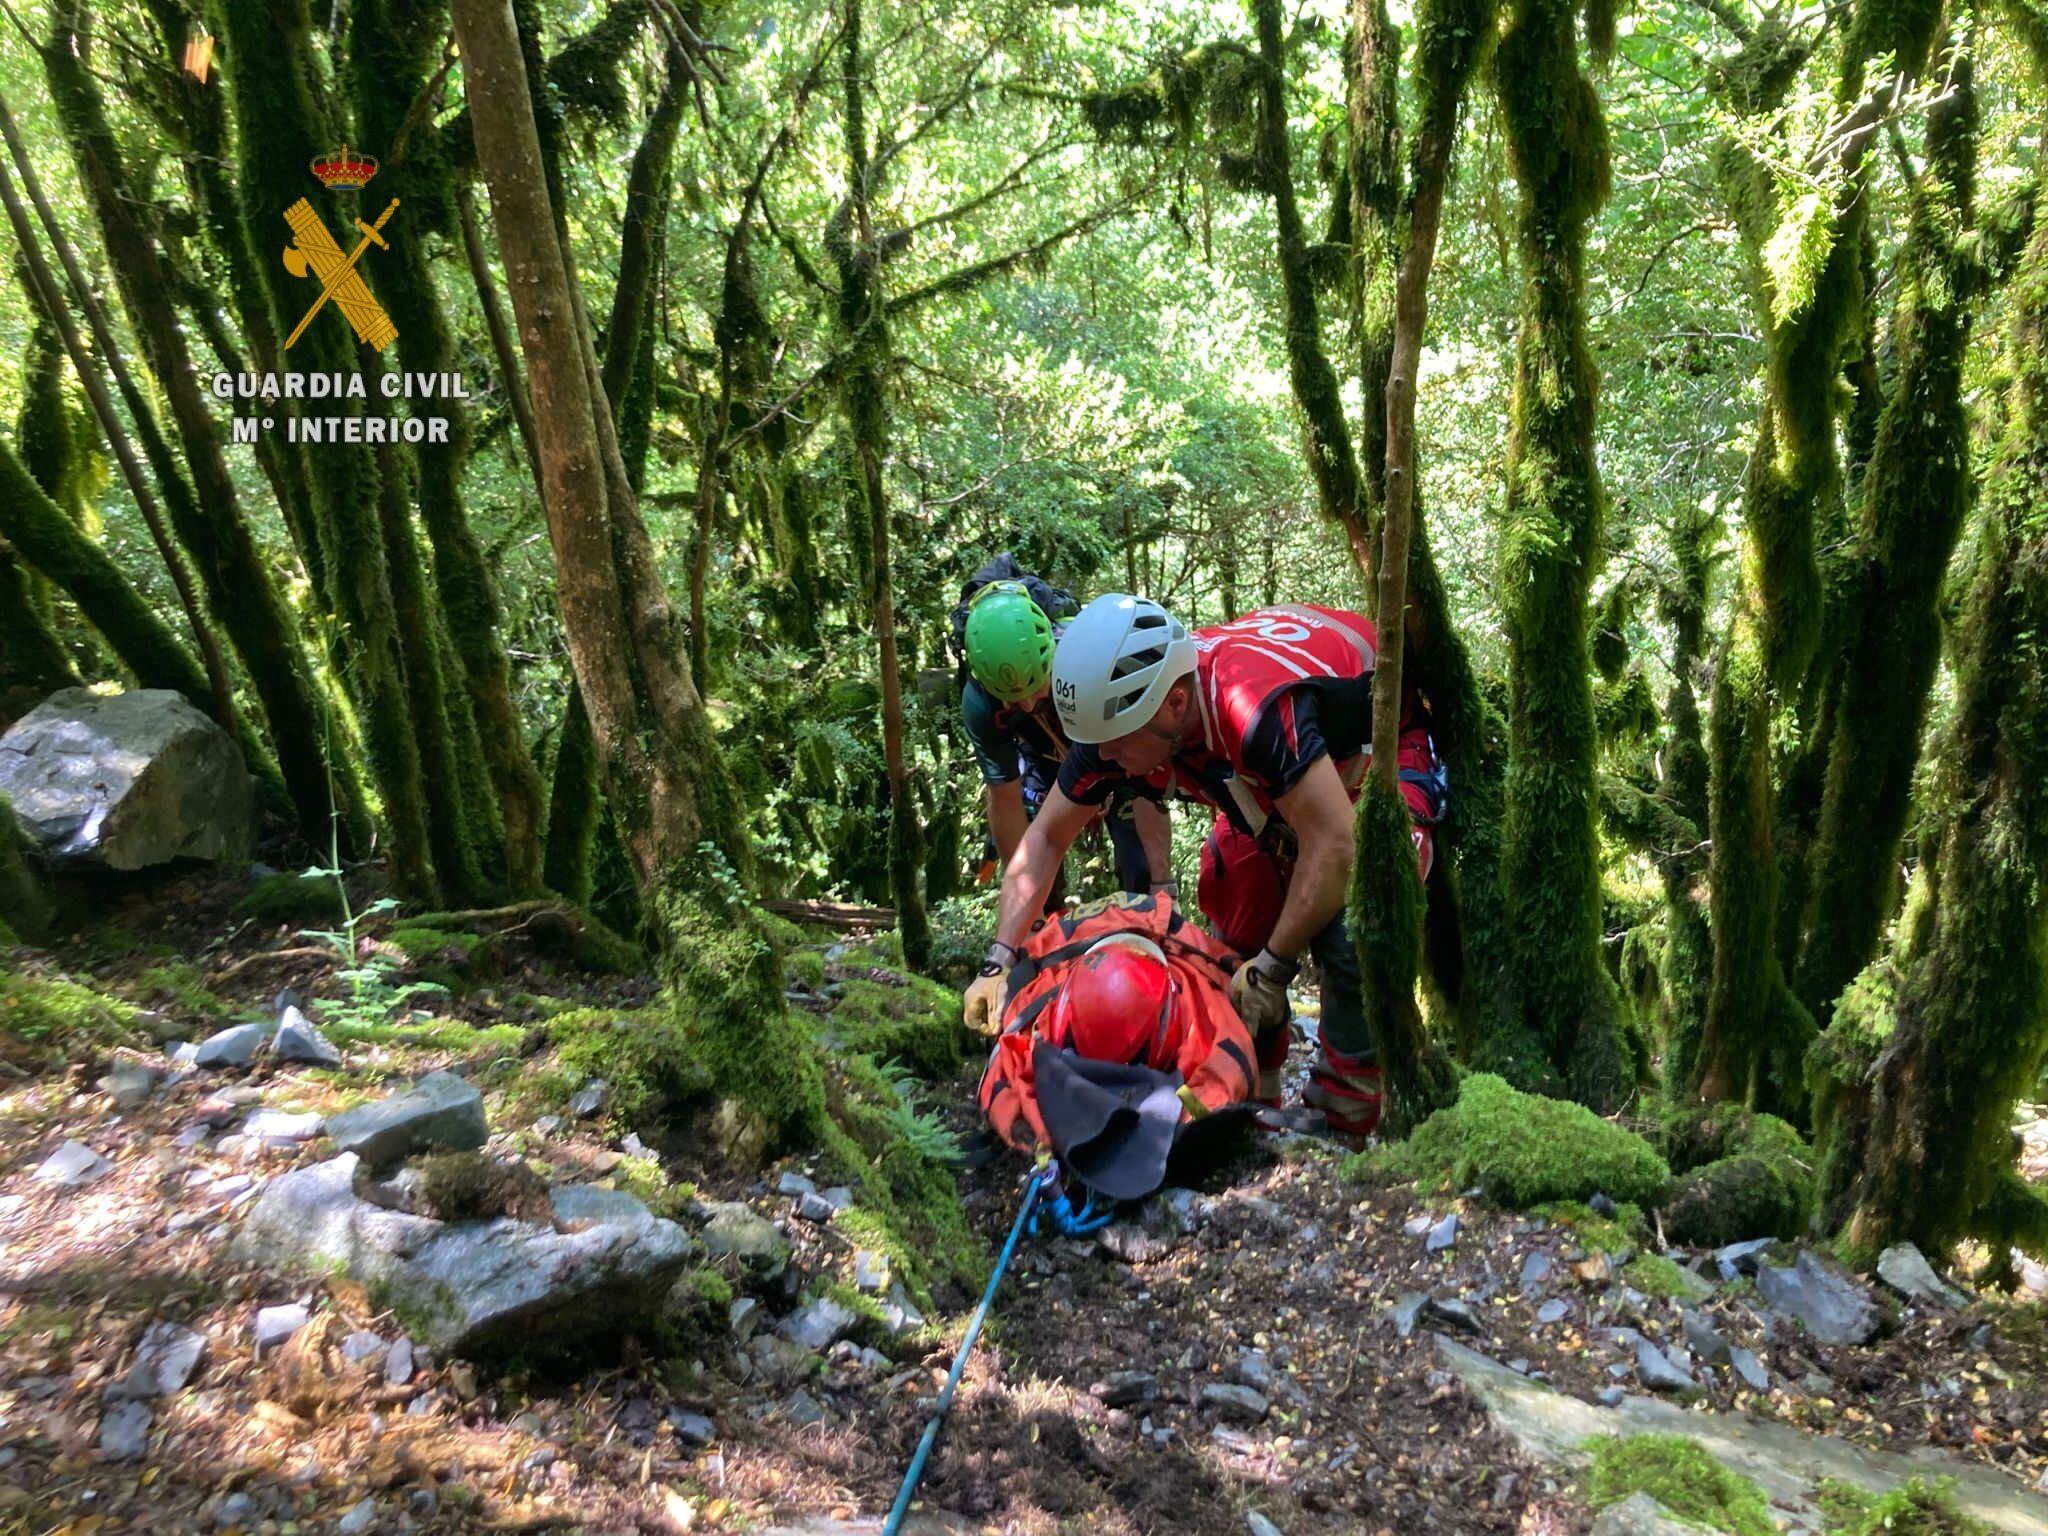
[1258, 991]
[982, 1003]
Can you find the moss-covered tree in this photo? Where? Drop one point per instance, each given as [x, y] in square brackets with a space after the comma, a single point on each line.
[1550, 536]
[394, 55]
[1968, 1020]
[284, 121]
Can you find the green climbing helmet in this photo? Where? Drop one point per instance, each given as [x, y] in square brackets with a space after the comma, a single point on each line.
[1009, 642]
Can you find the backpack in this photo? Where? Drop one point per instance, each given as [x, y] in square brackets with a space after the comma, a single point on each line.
[1054, 601]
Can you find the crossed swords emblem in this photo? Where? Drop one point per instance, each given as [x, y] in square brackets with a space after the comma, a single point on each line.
[313, 249]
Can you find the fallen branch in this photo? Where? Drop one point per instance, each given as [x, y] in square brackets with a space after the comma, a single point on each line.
[273, 957]
[833, 914]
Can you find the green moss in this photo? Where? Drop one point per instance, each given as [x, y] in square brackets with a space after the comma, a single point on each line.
[1680, 1476]
[432, 1034]
[1914, 1508]
[916, 1023]
[48, 1013]
[649, 1058]
[1741, 1175]
[424, 943]
[1621, 1233]
[782, 932]
[471, 1186]
[1655, 1275]
[178, 986]
[1523, 1149]
[806, 968]
[644, 1179]
[292, 899]
[711, 1288]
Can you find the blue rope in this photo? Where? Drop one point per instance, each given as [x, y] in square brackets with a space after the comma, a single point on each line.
[931, 1430]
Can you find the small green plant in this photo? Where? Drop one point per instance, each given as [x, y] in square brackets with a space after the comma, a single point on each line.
[1914, 1508]
[919, 1127]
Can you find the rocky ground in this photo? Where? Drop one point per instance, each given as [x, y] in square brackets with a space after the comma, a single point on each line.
[1256, 1351]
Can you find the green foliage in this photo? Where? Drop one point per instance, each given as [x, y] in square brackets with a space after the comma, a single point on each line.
[1655, 1275]
[1682, 1477]
[1740, 1175]
[1914, 1508]
[1522, 1149]
[179, 985]
[421, 942]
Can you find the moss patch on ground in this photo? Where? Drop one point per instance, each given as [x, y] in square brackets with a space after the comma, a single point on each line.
[287, 898]
[1914, 1508]
[1624, 1231]
[424, 943]
[470, 1186]
[1522, 1149]
[1655, 1275]
[649, 1058]
[1740, 1175]
[45, 1018]
[1680, 1476]
[180, 985]
[915, 1023]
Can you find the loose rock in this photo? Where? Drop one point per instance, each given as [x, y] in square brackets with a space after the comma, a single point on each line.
[276, 1324]
[440, 1112]
[165, 1358]
[129, 1085]
[235, 1046]
[1234, 1402]
[1906, 1270]
[124, 1431]
[73, 1166]
[1701, 1338]
[588, 1102]
[1660, 1372]
[737, 1230]
[298, 1041]
[819, 1325]
[1833, 1308]
[1120, 1389]
[1749, 1370]
[1443, 1235]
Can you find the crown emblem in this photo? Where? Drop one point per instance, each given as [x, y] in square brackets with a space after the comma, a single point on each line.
[344, 171]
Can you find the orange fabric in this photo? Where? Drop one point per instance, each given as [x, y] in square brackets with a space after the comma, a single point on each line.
[1212, 1051]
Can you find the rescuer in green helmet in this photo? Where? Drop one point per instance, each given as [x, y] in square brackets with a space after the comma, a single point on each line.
[1004, 632]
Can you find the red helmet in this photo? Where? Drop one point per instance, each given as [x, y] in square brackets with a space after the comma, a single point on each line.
[1116, 1003]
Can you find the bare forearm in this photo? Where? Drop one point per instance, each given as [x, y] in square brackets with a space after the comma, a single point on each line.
[1316, 893]
[1006, 819]
[1026, 878]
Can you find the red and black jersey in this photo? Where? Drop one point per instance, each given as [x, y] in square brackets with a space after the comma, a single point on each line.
[1277, 690]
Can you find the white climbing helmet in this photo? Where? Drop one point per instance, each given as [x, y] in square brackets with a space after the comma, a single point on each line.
[1114, 665]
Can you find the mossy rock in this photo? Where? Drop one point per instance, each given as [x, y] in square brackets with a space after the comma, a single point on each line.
[1655, 1275]
[1741, 1175]
[180, 986]
[1523, 1149]
[906, 1019]
[288, 898]
[420, 942]
[697, 1305]
[805, 968]
[471, 1186]
[1682, 1477]
[1914, 1508]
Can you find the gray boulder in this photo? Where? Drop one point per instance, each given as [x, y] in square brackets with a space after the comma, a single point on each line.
[440, 1112]
[124, 1431]
[129, 1084]
[1831, 1307]
[297, 1040]
[819, 1325]
[127, 781]
[1905, 1269]
[474, 1286]
[235, 1046]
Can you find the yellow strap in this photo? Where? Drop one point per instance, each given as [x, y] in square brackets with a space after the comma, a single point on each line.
[1196, 1109]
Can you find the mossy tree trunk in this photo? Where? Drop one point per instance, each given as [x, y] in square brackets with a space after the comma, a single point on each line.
[24, 906]
[394, 54]
[662, 772]
[864, 325]
[1916, 492]
[1557, 142]
[33, 662]
[43, 536]
[284, 121]
[1972, 1000]
[574, 806]
[1682, 784]
[1756, 1029]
